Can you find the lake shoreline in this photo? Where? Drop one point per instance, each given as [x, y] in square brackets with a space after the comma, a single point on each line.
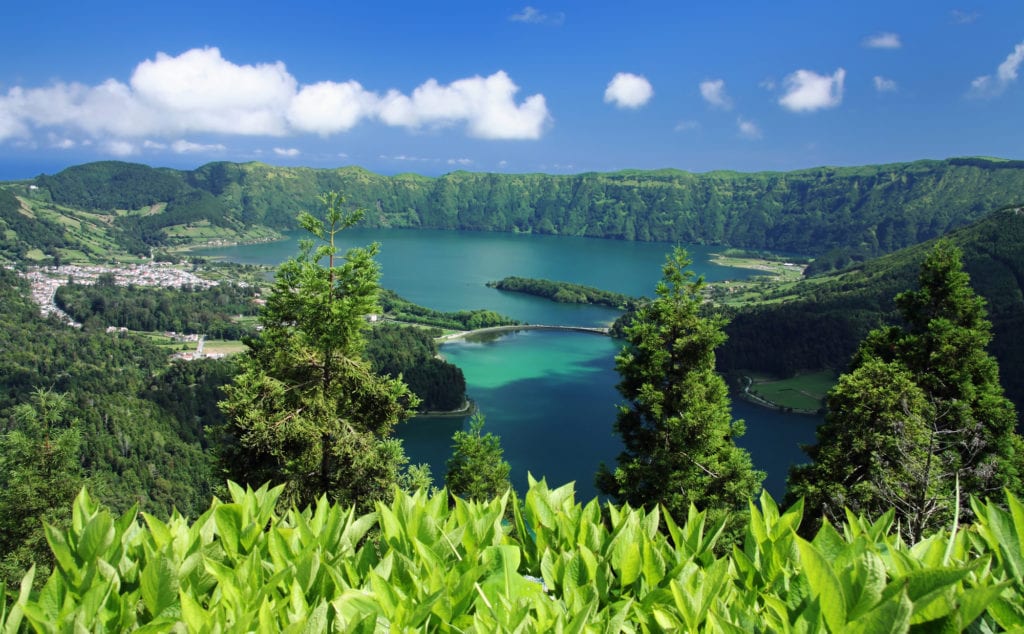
[549, 394]
[468, 409]
[462, 334]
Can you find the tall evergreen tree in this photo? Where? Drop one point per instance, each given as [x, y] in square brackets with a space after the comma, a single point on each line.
[677, 429]
[40, 474]
[874, 453]
[306, 409]
[929, 387]
[477, 469]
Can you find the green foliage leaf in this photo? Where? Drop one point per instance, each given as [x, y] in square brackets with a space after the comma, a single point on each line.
[889, 616]
[430, 566]
[97, 535]
[228, 518]
[825, 585]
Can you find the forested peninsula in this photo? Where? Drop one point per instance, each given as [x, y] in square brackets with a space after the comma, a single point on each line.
[563, 292]
[870, 209]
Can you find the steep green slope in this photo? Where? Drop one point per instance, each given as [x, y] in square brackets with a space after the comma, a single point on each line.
[871, 209]
[133, 442]
[20, 233]
[818, 322]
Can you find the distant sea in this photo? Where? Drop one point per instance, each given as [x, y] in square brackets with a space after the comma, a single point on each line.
[16, 170]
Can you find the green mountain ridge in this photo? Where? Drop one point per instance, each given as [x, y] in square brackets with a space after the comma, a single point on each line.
[870, 209]
[818, 322]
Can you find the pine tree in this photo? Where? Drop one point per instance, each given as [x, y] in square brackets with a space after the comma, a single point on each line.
[677, 429]
[873, 453]
[477, 469]
[939, 398]
[40, 474]
[306, 409]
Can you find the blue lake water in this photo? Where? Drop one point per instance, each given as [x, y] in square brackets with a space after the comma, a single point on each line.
[549, 395]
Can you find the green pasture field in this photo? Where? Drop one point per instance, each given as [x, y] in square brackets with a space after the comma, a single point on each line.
[223, 346]
[775, 277]
[803, 392]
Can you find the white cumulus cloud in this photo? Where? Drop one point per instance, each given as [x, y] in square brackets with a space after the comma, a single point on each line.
[883, 40]
[807, 91]
[11, 123]
[686, 125]
[748, 129]
[201, 92]
[627, 90]
[120, 148]
[485, 104]
[287, 151]
[328, 107]
[61, 143]
[181, 146]
[713, 92]
[1006, 74]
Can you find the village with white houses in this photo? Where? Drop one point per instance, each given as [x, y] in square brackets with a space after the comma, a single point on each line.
[44, 282]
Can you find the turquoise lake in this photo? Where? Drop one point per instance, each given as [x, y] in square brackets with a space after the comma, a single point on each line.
[549, 395]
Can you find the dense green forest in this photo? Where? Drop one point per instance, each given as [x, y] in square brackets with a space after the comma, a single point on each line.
[818, 322]
[138, 444]
[564, 292]
[856, 210]
[210, 311]
[391, 348]
[410, 352]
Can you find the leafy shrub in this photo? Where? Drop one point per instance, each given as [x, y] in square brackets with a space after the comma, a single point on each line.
[421, 563]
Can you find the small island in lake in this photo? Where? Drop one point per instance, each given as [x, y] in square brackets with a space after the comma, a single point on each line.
[563, 292]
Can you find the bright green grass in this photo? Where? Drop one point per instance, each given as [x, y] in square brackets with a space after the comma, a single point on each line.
[804, 391]
[223, 346]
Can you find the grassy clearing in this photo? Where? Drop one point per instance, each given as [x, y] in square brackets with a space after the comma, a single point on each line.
[210, 346]
[223, 346]
[775, 277]
[802, 392]
[159, 339]
[203, 234]
[782, 271]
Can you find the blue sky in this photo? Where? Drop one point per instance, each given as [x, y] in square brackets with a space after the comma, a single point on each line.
[559, 87]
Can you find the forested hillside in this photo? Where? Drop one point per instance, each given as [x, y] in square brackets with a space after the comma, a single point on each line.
[819, 322]
[20, 233]
[871, 209]
[209, 311]
[410, 352]
[139, 445]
